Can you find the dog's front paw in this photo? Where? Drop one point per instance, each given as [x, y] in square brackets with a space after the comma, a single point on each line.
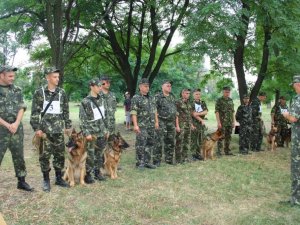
[72, 184]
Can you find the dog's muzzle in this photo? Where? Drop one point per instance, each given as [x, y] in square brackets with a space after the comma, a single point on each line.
[71, 144]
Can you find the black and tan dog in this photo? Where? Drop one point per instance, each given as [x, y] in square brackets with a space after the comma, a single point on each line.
[286, 137]
[209, 144]
[75, 171]
[272, 137]
[112, 154]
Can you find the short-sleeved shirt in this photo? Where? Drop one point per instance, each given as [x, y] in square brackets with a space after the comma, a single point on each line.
[256, 108]
[166, 106]
[184, 112]
[198, 106]
[295, 111]
[225, 108]
[277, 110]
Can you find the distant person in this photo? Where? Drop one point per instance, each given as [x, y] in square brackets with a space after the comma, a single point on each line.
[257, 122]
[279, 121]
[294, 118]
[127, 106]
[244, 117]
[166, 110]
[12, 108]
[144, 118]
[184, 126]
[50, 117]
[224, 110]
[199, 112]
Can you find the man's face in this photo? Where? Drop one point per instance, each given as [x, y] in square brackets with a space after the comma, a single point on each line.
[197, 95]
[106, 84]
[7, 78]
[185, 95]
[246, 101]
[144, 88]
[226, 93]
[167, 87]
[296, 87]
[96, 89]
[282, 101]
[262, 98]
[53, 78]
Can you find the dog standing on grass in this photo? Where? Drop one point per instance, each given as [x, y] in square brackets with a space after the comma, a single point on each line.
[112, 154]
[209, 144]
[271, 138]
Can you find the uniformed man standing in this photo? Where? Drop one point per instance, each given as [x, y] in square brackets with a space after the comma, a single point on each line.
[92, 114]
[244, 117]
[111, 102]
[279, 121]
[49, 116]
[224, 110]
[166, 110]
[257, 123]
[294, 118]
[183, 127]
[144, 118]
[12, 108]
[199, 112]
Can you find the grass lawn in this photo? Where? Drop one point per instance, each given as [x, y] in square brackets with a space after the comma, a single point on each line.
[230, 190]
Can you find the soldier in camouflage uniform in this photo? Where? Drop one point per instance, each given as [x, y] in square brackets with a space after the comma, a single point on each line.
[257, 123]
[12, 108]
[199, 112]
[224, 110]
[244, 117]
[51, 122]
[294, 118]
[144, 118]
[279, 121]
[111, 102]
[94, 129]
[183, 127]
[166, 110]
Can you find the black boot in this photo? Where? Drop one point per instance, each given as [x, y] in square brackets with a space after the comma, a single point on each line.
[98, 175]
[88, 178]
[59, 181]
[23, 185]
[46, 182]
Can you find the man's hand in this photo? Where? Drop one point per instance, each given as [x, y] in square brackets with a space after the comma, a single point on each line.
[219, 126]
[14, 127]
[178, 129]
[39, 133]
[89, 138]
[136, 129]
[68, 132]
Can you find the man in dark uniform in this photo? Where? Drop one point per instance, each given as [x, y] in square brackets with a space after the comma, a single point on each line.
[49, 119]
[12, 108]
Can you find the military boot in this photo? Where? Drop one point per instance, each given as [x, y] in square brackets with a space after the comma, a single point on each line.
[23, 185]
[98, 175]
[89, 178]
[59, 181]
[46, 182]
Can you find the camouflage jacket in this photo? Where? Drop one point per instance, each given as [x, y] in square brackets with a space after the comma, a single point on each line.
[50, 123]
[111, 103]
[256, 108]
[144, 108]
[166, 106]
[244, 115]
[278, 109]
[295, 111]
[225, 108]
[90, 123]
[198, 106]
[184, 110]
[11, 101]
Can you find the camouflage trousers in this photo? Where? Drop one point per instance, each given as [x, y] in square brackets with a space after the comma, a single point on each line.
[282, 132]
[183, 142]
[13, 142]
[257, 135]
[144, 145]
[197, 137]
[295, 167]
[55, 145]
[244, 138]
[95, 150]
[165, 139]
[227, 131]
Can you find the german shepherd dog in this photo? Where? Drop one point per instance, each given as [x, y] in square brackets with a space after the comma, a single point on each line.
[75, 171]
[271, 138]
[112, 154]
[287, 137]
[209, 144]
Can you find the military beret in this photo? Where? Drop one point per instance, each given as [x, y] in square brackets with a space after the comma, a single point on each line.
[166, 81]
[7, 69]
[104, 78]
[226, 88]
[246, 96]
[197, 90]
[94, 81]
[262, 93]
[144, 81]
[49, 70]
[296, 79]
[282, 97]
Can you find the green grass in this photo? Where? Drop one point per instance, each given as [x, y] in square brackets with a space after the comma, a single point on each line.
[230, 190]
